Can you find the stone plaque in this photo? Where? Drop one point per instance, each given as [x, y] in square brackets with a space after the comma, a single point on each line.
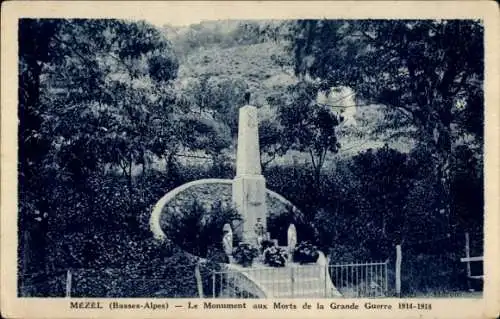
[227, 240]
[292, 237]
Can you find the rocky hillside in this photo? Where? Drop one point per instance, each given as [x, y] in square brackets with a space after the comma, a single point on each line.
[256, 64]
[230, 51]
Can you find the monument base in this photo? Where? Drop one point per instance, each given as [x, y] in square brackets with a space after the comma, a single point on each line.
[249, 198]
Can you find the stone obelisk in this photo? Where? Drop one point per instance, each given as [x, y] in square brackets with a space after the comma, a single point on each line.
[249, 186]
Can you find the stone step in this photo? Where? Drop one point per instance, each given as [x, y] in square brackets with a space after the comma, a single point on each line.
[288, 278]
[308, 280]
[305, 287]
[288, 285]
[302, 280]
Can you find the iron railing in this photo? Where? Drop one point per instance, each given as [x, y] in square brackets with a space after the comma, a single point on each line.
[360, 280]
[354, 280]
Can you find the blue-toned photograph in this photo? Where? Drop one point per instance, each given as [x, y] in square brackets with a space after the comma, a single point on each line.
[250, 158]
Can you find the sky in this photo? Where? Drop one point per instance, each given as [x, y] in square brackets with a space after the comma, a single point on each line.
[184, 14]
[182, 21]
[181, 13]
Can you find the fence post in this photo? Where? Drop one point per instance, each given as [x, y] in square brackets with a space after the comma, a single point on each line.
[398, 270]
[386, 278]
[199, 283]
[213, 284]
[467, 253]
[292, 278]
[325, 278]
[68, 284]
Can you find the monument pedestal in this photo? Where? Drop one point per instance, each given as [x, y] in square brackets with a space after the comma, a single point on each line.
[249, 186]
[249, 198]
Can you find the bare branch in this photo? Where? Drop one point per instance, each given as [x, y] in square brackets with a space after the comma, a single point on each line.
[192, 156]
[354, 146]
[265, 163]
[312, 159]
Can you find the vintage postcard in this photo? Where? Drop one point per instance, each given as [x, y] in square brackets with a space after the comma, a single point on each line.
[255, 159]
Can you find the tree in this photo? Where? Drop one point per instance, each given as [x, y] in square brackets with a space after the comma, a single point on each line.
[270, 142]
[88, 90]
[429, 72]
[366, 204]
[219, 96]
[307, 126]
[384, 179]
[467, 190]
[110, 91]
[34, 146]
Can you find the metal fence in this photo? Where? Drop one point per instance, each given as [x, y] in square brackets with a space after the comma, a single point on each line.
[354, 280]
[180, 282]
[359, 280]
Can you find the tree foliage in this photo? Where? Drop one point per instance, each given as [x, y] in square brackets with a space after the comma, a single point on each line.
[89, 91]
[307, 125]
[96, 92]
[421, 69]
[220, 97]
[418, 68]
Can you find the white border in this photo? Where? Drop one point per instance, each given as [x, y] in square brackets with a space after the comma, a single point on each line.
[181, 13]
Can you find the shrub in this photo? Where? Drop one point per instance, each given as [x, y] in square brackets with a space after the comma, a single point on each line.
[266, 243]
[244, 254]
[275, 256]
[197, 228]
[305, 253]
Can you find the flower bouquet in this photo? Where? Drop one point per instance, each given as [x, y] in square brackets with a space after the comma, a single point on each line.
[305, 253]
[275, 256]
[266, 243]
[244, 254]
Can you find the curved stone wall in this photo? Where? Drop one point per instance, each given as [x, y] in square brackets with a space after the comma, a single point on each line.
[237, 276]
[206, 192]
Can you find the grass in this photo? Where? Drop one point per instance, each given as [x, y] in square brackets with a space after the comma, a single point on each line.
[452, 294]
